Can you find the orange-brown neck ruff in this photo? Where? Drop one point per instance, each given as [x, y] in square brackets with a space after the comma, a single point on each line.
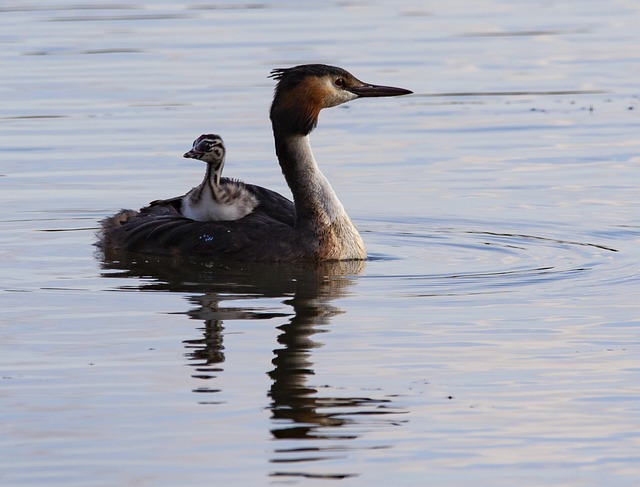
[296, 111]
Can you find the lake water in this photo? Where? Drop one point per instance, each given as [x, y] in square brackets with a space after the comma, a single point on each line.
[492, 338]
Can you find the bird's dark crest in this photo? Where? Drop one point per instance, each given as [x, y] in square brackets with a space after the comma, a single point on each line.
[295, 74]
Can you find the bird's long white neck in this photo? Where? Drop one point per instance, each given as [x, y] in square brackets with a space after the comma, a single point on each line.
[316, 202]
[319, 212]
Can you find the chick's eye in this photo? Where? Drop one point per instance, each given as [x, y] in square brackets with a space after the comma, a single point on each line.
[339, 82]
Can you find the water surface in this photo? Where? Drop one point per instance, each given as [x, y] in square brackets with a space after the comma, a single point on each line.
[492, 338]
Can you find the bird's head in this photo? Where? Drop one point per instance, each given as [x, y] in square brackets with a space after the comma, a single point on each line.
[302, 91]
[209, 148]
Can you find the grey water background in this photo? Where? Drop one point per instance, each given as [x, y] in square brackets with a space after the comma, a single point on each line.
[492, 338]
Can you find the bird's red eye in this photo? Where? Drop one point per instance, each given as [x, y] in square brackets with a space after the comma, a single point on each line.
[339, 82]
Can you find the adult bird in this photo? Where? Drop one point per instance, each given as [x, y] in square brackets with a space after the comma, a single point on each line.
[314, 228]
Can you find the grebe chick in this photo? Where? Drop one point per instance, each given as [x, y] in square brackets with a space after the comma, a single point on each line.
[213, 199]
[218, 198]
[315, 227]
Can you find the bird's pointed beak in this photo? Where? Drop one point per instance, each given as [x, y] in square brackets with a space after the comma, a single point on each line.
[367, 90]
[193, 154]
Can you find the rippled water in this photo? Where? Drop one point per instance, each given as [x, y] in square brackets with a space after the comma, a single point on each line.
[492, 338]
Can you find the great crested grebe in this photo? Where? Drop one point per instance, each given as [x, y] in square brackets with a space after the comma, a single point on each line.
[313, 228]
[214, 199]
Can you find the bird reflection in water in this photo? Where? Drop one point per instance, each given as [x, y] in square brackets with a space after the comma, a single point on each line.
[299, 410]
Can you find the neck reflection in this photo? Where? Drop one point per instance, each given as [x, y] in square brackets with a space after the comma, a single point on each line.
[311, 419]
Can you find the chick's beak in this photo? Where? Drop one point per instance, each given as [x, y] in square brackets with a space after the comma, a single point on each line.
[193, 154]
